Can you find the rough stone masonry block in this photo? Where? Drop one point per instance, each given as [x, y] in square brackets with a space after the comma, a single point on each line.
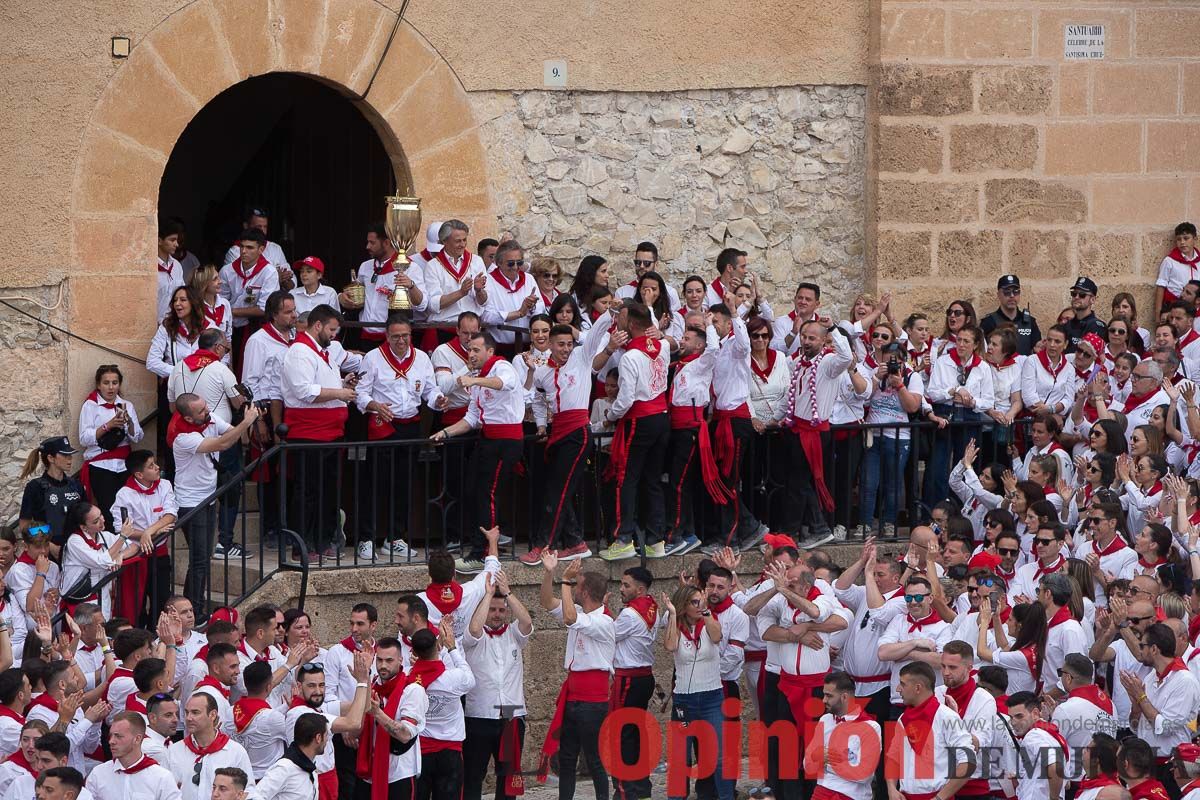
[975, 148]
[1026, 200]
[1015, 90]
[931, 91]
[903, 255]
[1039, 253]
[910, 148]
[969, 254]
[1106, 255]
[928, 202]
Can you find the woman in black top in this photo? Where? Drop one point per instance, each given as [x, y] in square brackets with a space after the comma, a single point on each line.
[48, 496]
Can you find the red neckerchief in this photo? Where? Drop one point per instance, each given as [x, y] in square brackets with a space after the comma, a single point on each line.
[445, 597]
[916, 624]
[1149, 789]
[1062, 615]
[258, 267]
[764, 374]
[145, 763]
[1144, 564]
[499, 277]
[24, 558]
[1052, 729]
[693, 635]
[457, 274]
[1187, 339]
[135, 703]
[423, 673]
[399, 365]
[457, 348]
[1094, 695]
[5, 711]
[215, 313]
[374, 753]
[1008, 362]
[1053, 568]
[407, 640]
[548, 300]
[298, 702]
[387, 268]
[200, 359]
[869, 360]
[487, 367]
[218, 742]
[350, 644]
[494, 632]
[1054, 371]
[307, 341]
[1176, 665]
[719, 287]
[646, 608]
[276, 334]
[179, 425]
[209, 680]
[718, 608]
[1099, 782]
[1114, 546]
[246, 709]
[169, 269]
[1008, 576]
[1002, 704]
[19, 759]
[265, 655]
[1191, 787]
[133, 483]
[88, 540]
[201, 654]
[975, 359]
[98, 400]
[1175, 255]
[644, 344]
[1136, 400]
[962, 695]
[918, 722]
[46, 701]
[1155, 489]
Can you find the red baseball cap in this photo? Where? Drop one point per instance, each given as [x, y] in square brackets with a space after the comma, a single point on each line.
[984, 560]
[776, 540]
[310, 261]
[225, 613]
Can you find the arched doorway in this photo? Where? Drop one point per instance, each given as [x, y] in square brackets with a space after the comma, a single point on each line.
[291, 145]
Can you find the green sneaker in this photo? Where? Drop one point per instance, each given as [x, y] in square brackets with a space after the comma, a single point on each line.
[619, 551]
[656, 551]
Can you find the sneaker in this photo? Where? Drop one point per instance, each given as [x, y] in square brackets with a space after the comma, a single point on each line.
[889, 530]
[839, 533]
[656, 550]
[453, 547]
[233, 551]
[396, 548]
[682, 546]
[532, 558]
[619, 551]
[712, 549]
[366, 551]
[504, 540]
[816, 539]
[330, 552]
[752, 541]
[219, 550]
[575, 553]
[468, 566]
[860, 531]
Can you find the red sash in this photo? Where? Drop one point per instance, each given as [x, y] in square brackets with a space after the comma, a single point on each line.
[316, 424]
[687, 417]
[245, 710]
[810, 442]
[724, 435]
[374, 742]
[565, 423]
[619, 450]
[587, 686]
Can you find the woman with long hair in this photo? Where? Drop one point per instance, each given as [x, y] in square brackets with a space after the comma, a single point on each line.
[979, 492]
[1083, 597]
[175, 340]
[770, 379]
[1097, 473]
[1142, 478]
[91, 552]
[1124, 306]
[49, 495]
[652, 292]
[108, 425]
[959, 315]
[694, 292]
[602, 300]
[1024, 658]
[565, 311]
[1155, 546]
[206, 283]
[961, 390]
[591, 276]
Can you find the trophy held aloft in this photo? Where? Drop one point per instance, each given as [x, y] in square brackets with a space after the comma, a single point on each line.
[402, 220]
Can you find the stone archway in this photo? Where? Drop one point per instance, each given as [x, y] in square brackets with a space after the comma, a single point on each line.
[162, 85]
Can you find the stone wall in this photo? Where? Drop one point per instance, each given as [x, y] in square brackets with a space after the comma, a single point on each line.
[993, 153]
[776, 172]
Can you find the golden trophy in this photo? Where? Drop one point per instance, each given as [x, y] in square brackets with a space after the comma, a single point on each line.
[356, 292]
[402, 220]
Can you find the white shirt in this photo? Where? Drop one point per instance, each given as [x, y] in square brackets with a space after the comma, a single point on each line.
[324, 295]
[781, 328]
[692, 384]
[642, 378]
[505, 406]
[1077, 719]
[379, 280]
[794, 658]
[948, 733]
[1038, 747]
[170, 278]
[861, 654]
[181, 761]
[540, 359]
[412, 712]
[329, 709]
[831, 776]
[79, 559]
[284, 780]
[944, 381]
[1140, 415]
[754, 640]
[144, 507]
[263, 739]
[472, 593]
[437, 281]
[898, 630]
[196, 472]
[155, 745]
[1061, 639]
[110, 781]
[498, 662]
[767, 395]
[979, 720]
[569, 387]
[634, 639]
[445, 721]
[697, 663]
[735, 630]
[214, 382]
[402, 392]
[806, 402]
[340, 683]
[731, 372]
[220, 308]
[272, 252]
[628, 290]
[20, 578]
[91, 416]
[591, 640]
[166, 351]
[262, 361]
[1039, 385]
[1118, 562]
[505, 297]
[1005, 381]
[1176, 697]
[1125, 660]
[262, 283]
[448, 365]
[305, 373]
[224, 707]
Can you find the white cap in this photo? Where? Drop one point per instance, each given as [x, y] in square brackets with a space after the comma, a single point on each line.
[431, 237]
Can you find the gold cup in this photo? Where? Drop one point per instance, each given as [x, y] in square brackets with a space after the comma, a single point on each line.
[356, 292]
[402, 220]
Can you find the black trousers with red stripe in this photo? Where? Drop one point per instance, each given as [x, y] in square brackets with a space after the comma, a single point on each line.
[491, 462]
[632, 692]
[566, 461]
[736, 520]
[643, 475]
[683, 471]
[485, 743]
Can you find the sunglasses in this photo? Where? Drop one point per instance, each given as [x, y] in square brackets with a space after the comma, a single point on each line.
[1096, 520]
[39, 530]
[639, 262]
[311, 667]
[1044, 542]
[520, 262]
[956, 312]
[1010, 292]
[886, 337]
[1139, 620]
[1117, 330]
[988, 582]
[1076, 293]
[760, 336]
[915, 598]
[1007, 551]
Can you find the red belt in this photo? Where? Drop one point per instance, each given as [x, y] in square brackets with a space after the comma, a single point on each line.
[759, 655]
[495, 430]
[429, 745]
[633, 672]
[684, 417]
[453, 415]
[825, 793]
[723, 446]
[378, 429]
[85, 474]
[588, 686]
[565, 423]
[887, 676]
[919, 795]
[317, 424]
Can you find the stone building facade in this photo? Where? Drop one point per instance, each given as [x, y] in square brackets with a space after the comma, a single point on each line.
[913, 146]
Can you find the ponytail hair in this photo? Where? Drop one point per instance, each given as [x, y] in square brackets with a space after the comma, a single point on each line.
[32, 461]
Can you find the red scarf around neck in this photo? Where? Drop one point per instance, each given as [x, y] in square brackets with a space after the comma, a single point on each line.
[457, 347]
[646, 608]
[178, 425]
[200, 359]
[446, 597]
[133, 483]
[962, 695]
[694, 633]
[918, 723]
[509, 286]
[974, 362]
[1135, 400]
[307, 341]
[400, 366]
[216, 684]
[100, 401]
[1044, 358]
[246, 709]
[458, 273]
[19, 759]
[720, 607]
[764, 375]
[1099, 782]
[374, 742]
[1094, 695]
[487, 367]
[216, 745]
[915, 624]
[258, 267]
[1062, 615]
[215, 313]
[1175, 255]
[423, 673]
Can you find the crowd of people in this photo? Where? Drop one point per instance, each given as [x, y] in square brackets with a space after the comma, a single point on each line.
[1044, 612]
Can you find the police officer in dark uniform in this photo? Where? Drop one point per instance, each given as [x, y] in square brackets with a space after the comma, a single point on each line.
[48, 496]
[1083, 297]
[1008, 292]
